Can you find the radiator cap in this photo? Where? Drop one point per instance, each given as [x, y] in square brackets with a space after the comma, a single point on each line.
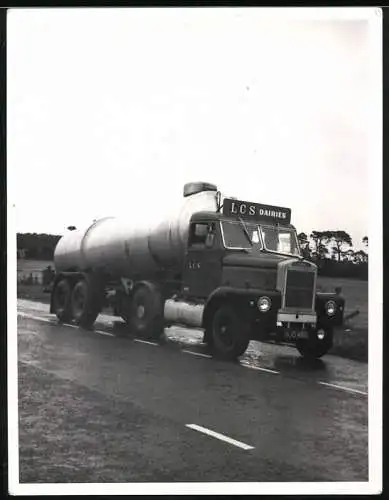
[197, 187]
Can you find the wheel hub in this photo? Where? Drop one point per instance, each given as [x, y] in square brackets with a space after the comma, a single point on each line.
[140, 311]
[80, 300]
[225, 334]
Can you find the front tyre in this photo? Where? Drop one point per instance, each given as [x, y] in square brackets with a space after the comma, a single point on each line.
[319, 342]
[228, 336]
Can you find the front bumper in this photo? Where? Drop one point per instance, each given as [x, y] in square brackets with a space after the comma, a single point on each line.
[296, 317]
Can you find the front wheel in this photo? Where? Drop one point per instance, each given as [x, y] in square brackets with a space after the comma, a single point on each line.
[228, 336]
[319, 342]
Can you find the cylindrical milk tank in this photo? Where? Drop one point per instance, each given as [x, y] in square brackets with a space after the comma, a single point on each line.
[124, 248]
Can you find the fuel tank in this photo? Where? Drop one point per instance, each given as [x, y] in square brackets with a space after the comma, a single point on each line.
[126, 248]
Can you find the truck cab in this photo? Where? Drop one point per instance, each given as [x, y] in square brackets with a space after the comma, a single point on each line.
[251, 261]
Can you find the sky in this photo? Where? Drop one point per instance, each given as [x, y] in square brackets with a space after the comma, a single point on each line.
[111, 112]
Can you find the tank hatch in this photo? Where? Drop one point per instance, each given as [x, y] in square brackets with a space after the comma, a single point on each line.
[198, 187]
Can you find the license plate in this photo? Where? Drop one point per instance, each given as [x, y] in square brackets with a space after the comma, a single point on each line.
[294, 335]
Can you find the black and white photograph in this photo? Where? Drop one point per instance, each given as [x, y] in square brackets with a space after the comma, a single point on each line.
[194, 250]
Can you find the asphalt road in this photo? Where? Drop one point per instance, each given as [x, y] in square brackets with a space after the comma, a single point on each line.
[174, 414]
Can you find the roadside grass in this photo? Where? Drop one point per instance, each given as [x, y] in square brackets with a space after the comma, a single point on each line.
[27, 265]
[33, 292]
[351, 341]
[355, 293]
[69, 433]
[34, 268]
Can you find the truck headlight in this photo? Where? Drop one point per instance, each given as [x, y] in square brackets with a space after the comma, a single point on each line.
[264, 304]
[330, 308]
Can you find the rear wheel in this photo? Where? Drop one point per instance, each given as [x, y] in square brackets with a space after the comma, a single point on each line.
[227, 336]
[146, 311]
[319, 342]
[61, 300]
[86, 301]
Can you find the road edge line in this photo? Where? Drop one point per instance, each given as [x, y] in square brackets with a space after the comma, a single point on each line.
[343, 388]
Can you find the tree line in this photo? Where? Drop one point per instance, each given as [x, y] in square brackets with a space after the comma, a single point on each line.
[334, 255]
[36, 246]
[331, 251]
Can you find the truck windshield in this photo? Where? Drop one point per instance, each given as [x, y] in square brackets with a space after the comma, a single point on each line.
[239, 235]
[280, 240]
[246, 236]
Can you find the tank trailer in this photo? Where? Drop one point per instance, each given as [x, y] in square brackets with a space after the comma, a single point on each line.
[229, 267]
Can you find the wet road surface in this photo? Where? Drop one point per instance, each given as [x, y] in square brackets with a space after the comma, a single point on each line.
[268, 417]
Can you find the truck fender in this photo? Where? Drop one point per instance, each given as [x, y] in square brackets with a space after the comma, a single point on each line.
[320, 301]
[241, 298]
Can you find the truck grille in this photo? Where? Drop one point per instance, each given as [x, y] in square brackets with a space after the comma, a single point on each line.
[299, 289]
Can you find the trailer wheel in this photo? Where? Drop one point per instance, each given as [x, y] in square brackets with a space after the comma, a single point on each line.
[146, 311]
[61, 301]
[228, 334]
[317, 345]
[86, 302]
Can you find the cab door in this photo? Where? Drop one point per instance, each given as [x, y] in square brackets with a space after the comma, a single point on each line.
[203, 263]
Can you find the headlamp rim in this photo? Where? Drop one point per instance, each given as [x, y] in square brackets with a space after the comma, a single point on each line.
[262, 298]
[327, 306]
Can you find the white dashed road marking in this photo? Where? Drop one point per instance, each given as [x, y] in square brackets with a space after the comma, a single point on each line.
[343, 388]
[252, 367]
[101, 332]
[37, 318]
[222, 437]
[197, 354]
[146, 342]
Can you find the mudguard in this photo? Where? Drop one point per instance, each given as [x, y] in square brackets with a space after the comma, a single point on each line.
[245, 299]
[321, 299]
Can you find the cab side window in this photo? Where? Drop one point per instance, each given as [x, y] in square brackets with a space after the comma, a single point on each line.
[198, 234]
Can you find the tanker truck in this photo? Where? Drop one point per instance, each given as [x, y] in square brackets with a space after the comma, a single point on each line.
[229, 267]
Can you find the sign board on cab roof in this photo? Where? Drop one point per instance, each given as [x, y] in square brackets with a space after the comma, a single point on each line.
[256, 211]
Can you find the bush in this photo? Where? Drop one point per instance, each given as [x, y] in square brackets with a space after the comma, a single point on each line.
[335, 269]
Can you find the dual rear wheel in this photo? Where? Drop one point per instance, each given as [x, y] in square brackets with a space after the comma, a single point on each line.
[80, 301]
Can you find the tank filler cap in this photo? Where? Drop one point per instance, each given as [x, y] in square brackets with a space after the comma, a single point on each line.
[198, 187]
